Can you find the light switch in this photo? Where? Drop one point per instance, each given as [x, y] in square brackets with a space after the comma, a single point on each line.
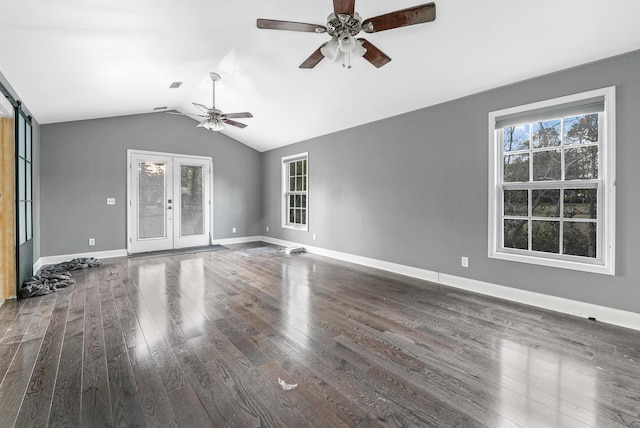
[111, 201]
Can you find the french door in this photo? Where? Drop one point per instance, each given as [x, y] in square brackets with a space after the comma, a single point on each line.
[169, 201]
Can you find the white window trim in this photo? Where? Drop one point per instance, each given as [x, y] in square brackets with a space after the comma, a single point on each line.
[285, 181]
[605, 264]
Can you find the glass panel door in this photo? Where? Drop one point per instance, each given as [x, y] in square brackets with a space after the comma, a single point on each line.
[191, 200]
[193, 189]
[170, 202]
[151, 203]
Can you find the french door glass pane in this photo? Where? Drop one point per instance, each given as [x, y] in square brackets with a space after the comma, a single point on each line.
[21, 180]
[22, 214]
[29, 221]
[191, 200]
[21, 136]
[28, 142]
[28, 181]
[152, 200]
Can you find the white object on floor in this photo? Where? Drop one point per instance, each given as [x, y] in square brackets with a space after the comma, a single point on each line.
[294, 250]
[287, 386]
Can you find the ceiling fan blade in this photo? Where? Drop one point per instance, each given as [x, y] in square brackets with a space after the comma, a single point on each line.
[234, 123]
[238, 115]
[374, 55]
[344, 6]
[201, 107]
[401, 18]
[272, 24]
[314, 59]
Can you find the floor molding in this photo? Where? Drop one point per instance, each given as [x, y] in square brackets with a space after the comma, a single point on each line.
[572, 307]
[240, 240]
[50, 260]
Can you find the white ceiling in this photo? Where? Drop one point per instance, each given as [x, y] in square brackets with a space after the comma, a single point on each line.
[82, 59]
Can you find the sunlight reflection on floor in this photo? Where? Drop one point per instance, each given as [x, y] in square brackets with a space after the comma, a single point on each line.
[295, 303]
[540, 388]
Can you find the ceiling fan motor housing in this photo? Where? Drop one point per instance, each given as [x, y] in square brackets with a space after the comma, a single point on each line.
[343, 25]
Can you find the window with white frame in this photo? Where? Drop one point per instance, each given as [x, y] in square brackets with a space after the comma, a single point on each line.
[295, 191]
[552, 182]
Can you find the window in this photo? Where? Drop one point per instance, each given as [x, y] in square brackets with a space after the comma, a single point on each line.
[552, 182]
[295, 191]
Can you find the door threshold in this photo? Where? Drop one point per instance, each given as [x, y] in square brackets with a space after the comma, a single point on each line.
[177, 251]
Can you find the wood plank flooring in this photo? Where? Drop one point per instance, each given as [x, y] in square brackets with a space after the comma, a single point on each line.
[200, 340]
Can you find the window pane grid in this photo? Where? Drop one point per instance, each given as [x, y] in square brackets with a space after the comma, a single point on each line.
[554, 164]
[575, 208]
[295, 194]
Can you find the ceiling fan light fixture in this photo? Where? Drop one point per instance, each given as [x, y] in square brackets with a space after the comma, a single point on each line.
[359, 50]
[214, 125]
[330, 49]
[347, 43]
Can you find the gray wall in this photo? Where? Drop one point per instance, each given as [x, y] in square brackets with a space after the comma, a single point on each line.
[84, 162]
[412, 189]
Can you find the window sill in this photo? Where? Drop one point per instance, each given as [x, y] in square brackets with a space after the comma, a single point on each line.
[292, 227]
[602, 269]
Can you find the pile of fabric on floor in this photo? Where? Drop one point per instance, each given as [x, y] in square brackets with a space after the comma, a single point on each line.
[52, 277]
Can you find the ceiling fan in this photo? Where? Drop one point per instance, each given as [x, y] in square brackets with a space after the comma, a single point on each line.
[344, 24]
[215, 119]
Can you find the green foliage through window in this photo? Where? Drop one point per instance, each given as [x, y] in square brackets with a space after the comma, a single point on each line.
[554, 217]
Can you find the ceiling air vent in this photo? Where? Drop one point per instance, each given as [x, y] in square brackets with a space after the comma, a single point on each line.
[175, 85]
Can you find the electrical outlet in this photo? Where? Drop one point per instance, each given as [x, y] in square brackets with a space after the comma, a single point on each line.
[111, 201]
[267, 228]
[314, 237]
[233, 230]
[464, 261]
[92, 241]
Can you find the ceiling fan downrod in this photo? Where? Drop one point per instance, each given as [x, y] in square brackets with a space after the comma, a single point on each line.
[214, 77]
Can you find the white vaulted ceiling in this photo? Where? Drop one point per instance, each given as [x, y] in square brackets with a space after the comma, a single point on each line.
[83, 59]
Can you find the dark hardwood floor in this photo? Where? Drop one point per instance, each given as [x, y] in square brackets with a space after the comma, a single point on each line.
[200, 340]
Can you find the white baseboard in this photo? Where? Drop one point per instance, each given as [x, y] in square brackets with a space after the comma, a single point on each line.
[572, 307]
[240, 240]
[50, 260]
